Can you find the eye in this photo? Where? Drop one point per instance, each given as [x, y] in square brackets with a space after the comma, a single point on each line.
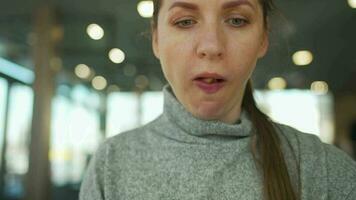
[186, 23]
[237, 22]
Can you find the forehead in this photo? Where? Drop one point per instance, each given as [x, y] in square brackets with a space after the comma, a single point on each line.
[200, 4]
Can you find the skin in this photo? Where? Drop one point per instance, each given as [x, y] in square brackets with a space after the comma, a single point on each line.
[203, 36]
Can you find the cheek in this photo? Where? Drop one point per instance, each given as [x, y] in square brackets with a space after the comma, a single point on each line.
[243, 55]
[174, 57]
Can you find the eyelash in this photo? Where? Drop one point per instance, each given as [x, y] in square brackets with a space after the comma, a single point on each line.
[179, 23]
[244, 21]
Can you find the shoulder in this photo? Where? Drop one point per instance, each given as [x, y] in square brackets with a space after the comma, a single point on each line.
[110, 159]
[134, 137]
[305, 147]
[325, 163]
[307, 142]
[128, 143]
[298, 138]
[121, 144]
[314, 147]
[341, 172]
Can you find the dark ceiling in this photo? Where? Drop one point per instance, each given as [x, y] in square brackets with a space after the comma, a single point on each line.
[325, 27]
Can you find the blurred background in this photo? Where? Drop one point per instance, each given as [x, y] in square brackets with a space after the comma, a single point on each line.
[73, 73]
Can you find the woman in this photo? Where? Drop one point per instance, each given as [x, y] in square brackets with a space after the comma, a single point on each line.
[211, 142]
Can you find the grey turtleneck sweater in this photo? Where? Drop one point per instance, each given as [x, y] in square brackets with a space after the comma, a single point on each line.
[178, 156]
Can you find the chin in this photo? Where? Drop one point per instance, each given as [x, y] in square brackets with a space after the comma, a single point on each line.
[208, 111]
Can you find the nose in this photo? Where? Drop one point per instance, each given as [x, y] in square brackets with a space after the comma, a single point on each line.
[211, 43]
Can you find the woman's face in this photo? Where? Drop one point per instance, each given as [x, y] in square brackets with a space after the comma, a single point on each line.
[208, 50]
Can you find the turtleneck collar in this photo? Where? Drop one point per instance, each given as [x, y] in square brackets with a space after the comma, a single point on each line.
[179, 116]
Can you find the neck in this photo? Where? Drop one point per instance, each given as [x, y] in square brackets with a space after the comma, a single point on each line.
[234, 116]
[240, 125]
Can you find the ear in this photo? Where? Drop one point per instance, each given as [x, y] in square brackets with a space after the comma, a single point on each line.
[264, 45]
[155, 42]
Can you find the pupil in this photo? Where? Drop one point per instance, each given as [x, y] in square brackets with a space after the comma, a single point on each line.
[237, 21]
[186, 22]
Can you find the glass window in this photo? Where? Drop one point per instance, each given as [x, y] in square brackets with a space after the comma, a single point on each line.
[301, 109]
[122, 112]
[3, 97]
[128, 110]
[75, 135]
[18, 129]
[152, 106]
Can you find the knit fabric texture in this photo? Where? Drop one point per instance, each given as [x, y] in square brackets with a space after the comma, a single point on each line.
[178, 156]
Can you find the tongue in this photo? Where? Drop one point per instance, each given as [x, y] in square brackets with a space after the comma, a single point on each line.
[208, 80]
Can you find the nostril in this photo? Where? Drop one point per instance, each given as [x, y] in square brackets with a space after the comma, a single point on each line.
[209, 50]
[210, 55]
[203, 54]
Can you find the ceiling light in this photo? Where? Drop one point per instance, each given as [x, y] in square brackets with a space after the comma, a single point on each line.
[99, 82]
[319, 87]
[302, 58]
[129, 70]
[113, 88]
[116, 55]
[277, 83]
[141, 81]
[145, 9]
[352, 3]
[82, 71]
[95, 32]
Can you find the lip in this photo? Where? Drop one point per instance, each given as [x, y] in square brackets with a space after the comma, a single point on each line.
[209, 75]
[209, 88]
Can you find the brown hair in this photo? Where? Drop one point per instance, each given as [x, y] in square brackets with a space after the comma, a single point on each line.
[276, 180]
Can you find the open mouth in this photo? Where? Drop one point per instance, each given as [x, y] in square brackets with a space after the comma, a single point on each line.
[210, 80]
[210, 85]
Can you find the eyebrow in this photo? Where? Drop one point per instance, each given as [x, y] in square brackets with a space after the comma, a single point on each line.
[227, 5]
[182, 4]
[232, 4]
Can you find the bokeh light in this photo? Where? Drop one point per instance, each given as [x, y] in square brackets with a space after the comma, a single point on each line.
[116, 55]
[145, 9]
[82, 71]
[302, 58]
[277, 83]
[99, 83]
[319, 87]
[95, 31]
